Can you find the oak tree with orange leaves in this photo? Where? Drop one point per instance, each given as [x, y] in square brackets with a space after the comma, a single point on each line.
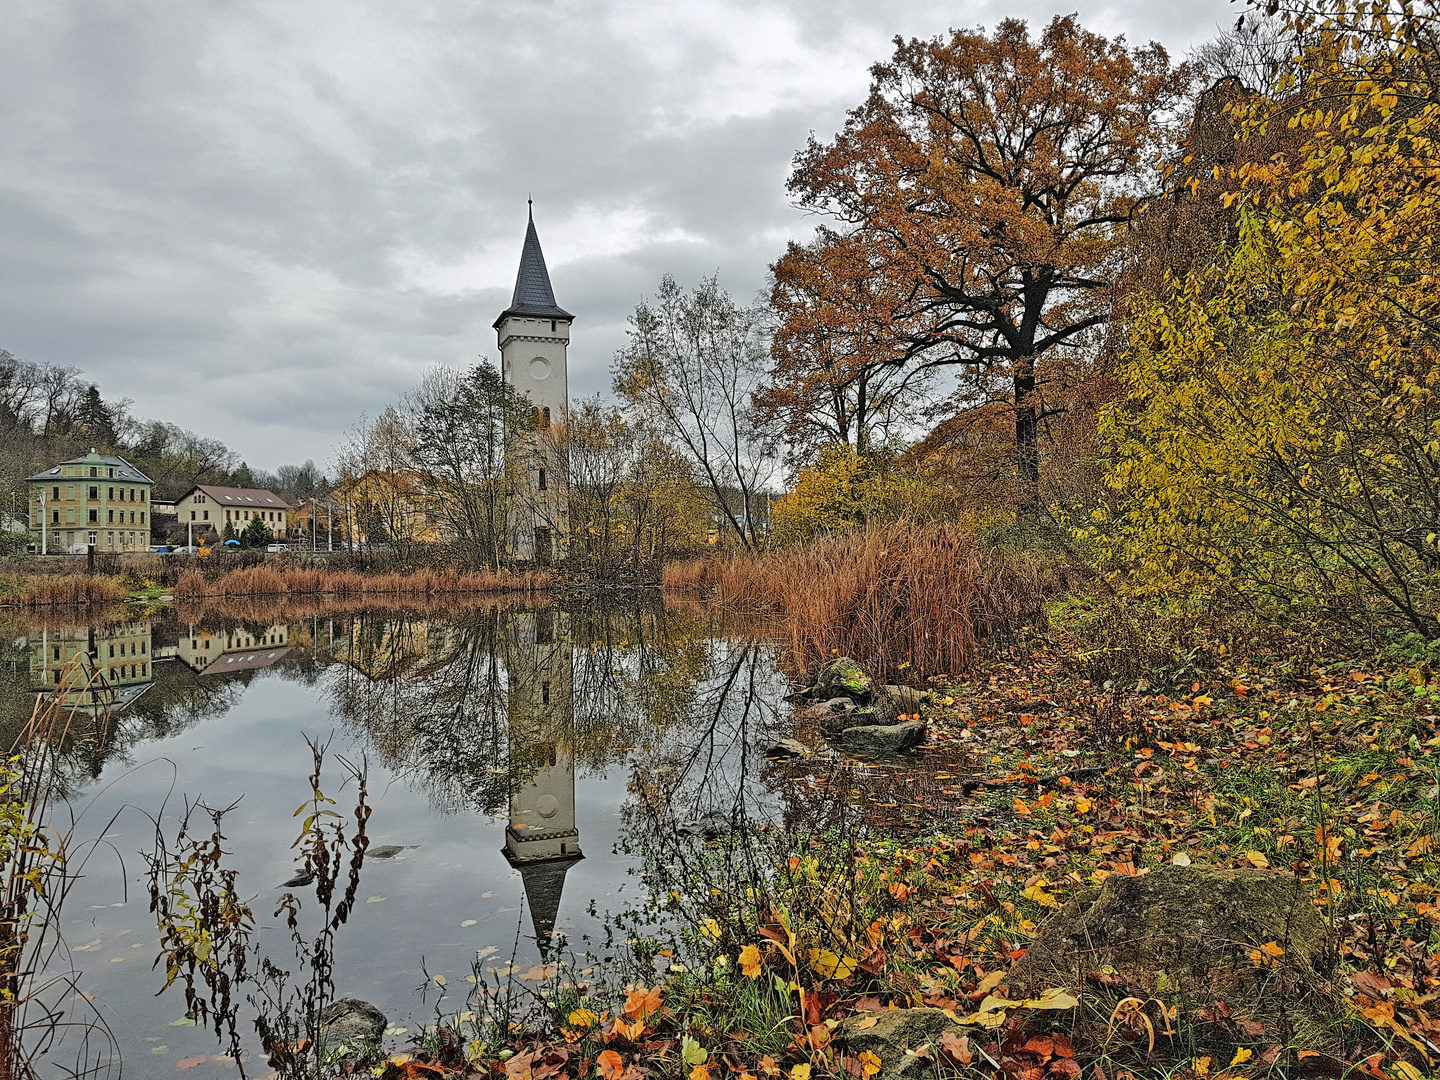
[989, 181]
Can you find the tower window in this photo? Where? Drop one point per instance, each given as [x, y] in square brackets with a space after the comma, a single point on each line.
[542, 480]
[545, 417]
[552, 326]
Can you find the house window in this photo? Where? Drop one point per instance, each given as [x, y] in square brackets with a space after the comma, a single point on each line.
[207, 515]
[94, 517]
[109, 539]
[552, 326]
[545, 417]
[110, 492]
[192, 515]
[95, 470]
[55, 492]
[92, 539]
[55, 517]
[112, 474]
[111, 519]
[142, 517]
[112, 651]
[95, 492]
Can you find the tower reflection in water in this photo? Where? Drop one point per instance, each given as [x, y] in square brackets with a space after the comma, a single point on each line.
[542, 840]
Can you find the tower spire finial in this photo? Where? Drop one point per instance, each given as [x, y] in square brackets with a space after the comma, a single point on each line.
[530, 202]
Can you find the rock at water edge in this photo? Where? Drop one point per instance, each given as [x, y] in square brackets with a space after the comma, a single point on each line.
[352, 1021]
[788, 748]
[843, 677]
[888, 737]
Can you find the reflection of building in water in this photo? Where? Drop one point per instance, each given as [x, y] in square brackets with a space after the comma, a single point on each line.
[224, 651]
[99, 669]
[542, 840]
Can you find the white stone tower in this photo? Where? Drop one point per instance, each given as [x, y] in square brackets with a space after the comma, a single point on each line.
[533, 333]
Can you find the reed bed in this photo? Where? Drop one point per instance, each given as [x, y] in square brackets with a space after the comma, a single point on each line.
[907, 600]
[267, 580]
[67, 590]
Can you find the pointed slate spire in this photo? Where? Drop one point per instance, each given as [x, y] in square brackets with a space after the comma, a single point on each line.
[544, 882]
[533, 293]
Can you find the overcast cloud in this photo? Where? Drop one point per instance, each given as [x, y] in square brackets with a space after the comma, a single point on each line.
[262, 219]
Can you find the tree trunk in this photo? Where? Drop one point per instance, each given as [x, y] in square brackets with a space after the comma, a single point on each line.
[1027, 445]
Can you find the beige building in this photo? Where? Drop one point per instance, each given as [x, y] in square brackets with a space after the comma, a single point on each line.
[93, 671]
[93, 500]
[226, 651]
[207, 507]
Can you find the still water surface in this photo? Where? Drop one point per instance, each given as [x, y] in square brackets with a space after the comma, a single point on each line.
[509, 751]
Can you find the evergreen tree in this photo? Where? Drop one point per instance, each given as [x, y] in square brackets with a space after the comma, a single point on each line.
[257, 534]
[96, 420]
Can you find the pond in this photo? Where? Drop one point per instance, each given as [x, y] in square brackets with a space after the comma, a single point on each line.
[519, 763]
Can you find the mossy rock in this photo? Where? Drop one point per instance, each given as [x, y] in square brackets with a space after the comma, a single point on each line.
[845, 677]
[1186, 934]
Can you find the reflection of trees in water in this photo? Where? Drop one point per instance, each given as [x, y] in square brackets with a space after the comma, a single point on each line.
[705, 769]
[437, 698]
[427, 695]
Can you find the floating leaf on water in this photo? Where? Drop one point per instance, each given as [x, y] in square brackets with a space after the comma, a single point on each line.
[191, 1062]
[392, 1030]
[184, 1021]
[439, 980]
[469, 922]
[117, 959]
[539, 972]
[376, 899]
[89, 946]
[159, 1050]
[488, 895]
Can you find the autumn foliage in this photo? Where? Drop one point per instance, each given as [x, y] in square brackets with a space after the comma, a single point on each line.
[982, 193]
[1282, 434]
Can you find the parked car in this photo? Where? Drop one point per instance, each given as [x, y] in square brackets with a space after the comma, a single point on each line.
[161, 548]
[274, 549]
[185, 549]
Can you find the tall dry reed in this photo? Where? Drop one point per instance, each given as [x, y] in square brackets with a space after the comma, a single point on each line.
[908, 600]
[267, 580]
[70, 589]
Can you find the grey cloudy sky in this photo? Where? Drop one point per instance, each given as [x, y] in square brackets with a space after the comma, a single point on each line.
[262, 219]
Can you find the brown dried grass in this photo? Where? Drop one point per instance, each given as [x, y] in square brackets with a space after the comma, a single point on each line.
[70, 589]
[907, 600]
[270, 580]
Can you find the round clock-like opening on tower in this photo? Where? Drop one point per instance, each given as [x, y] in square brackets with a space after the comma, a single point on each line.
[539, 368]
[547, 805]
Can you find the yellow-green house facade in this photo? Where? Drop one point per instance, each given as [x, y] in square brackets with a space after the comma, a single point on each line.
[96, 499]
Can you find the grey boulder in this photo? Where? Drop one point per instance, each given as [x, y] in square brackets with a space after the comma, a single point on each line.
[893, 738]
[351, 1021]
